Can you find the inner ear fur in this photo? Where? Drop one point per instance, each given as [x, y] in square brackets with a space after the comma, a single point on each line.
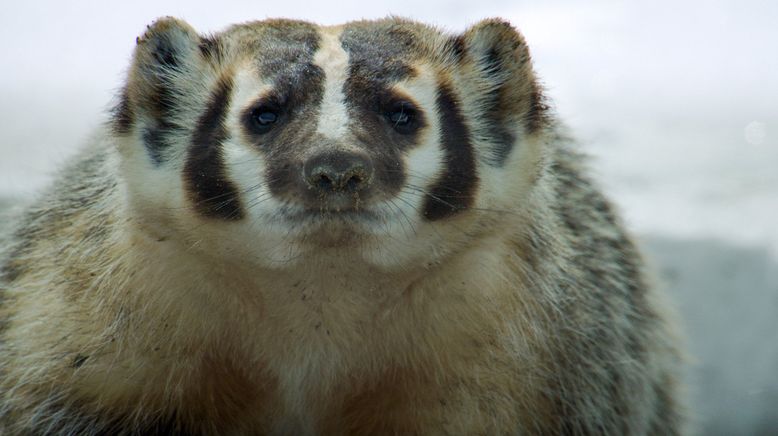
[167, 44]
[166, 60]
[503, 66]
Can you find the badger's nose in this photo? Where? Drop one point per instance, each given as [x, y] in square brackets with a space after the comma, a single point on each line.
[338, 172]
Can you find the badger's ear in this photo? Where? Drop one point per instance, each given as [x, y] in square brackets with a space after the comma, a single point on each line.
[501, 65]
[167, 44]
[168, 72]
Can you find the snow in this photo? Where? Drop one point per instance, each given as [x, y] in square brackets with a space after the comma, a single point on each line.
[677, 102]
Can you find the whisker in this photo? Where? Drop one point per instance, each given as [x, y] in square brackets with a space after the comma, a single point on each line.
[435, 197]
[441, 187]
[405, 217]
[418, 190]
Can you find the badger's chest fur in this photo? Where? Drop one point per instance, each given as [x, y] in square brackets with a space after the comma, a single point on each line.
[372, 228]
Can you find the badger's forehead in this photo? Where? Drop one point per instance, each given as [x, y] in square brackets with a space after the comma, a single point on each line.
[369, 51]
[380, 50]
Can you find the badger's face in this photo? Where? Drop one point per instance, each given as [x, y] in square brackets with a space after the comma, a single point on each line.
[387, 142]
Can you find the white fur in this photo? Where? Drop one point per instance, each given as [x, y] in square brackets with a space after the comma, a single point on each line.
[333, 60]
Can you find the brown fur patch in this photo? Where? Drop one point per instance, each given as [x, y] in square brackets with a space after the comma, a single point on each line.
[385, 405]
[228, 394]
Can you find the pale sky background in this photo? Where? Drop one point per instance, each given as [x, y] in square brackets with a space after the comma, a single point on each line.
[676, 101]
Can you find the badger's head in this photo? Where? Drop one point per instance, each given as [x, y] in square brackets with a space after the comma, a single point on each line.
[387, 142]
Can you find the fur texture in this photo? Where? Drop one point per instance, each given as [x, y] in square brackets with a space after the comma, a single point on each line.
[373, 228]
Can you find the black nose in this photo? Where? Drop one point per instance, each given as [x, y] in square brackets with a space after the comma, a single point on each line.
[334, 172]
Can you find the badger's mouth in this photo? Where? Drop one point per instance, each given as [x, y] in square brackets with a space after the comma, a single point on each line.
[347, 217]
[331, 227]
[308, 221]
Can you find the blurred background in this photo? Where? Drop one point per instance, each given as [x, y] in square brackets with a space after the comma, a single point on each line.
[676, 102]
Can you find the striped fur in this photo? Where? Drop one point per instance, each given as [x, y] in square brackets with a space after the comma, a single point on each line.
[373, 228]
[210, 190]
[455, 188]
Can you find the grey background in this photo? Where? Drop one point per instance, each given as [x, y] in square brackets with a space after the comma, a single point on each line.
[677, 102]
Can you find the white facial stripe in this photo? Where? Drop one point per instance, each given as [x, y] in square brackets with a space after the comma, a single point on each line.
[247, 87]
[333, 60]
[425, 161]
[242, 166]
[246, 165]
[245, 168]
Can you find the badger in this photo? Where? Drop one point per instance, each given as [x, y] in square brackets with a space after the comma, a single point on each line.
[291, 229]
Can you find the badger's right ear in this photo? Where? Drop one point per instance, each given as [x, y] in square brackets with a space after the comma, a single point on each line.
[168, 69]
[166, 44]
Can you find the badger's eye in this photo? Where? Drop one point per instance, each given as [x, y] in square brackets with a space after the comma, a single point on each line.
[263, 118]
[402, 117]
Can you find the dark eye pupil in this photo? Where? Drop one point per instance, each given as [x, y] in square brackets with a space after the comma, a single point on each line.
[265, 117]
[403, 118]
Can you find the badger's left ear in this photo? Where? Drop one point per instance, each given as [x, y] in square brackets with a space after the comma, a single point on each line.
[500, 64]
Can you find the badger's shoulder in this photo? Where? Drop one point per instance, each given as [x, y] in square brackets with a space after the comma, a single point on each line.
[70, 213]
